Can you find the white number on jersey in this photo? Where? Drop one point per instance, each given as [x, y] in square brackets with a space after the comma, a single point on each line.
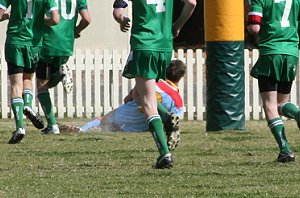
[29, 9]
[160, 5]
[287, 8]
[63, 9]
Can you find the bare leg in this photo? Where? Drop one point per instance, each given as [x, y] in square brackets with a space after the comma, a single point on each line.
[17, 106]
[145, 89]
[275, 123]
[45, 100]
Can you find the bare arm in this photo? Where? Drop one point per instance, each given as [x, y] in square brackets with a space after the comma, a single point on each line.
[253, 29]
[84, 22]
[128, 97]
[187, 11]
[121, 19]
[54, 19]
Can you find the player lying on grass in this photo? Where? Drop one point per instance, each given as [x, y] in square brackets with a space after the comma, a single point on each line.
[129, 117]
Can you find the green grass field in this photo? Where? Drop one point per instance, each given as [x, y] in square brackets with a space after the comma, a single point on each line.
[217, 164]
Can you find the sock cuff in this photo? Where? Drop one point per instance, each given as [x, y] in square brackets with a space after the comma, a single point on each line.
[44, 93]
[275, 122]
[153, 117]
[27, 91]
[17, 100]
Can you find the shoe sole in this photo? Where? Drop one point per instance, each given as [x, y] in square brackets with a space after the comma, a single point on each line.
[173, 140]
[51, 132]
[174, 120]
[35, 119]
[285, 160]
[16, 138]
[174, 136]
[67, 80]
[166, 166]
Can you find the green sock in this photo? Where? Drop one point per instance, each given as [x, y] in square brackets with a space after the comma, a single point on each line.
[289, 110]
[277, 128]
[156, 128]
[163, 112]
[27, 97]
[45, 100]
[17, 106]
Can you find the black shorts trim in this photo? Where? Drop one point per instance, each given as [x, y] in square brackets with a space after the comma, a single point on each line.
[15, 69]
[267, 83]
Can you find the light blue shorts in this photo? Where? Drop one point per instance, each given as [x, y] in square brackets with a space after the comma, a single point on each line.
[126, 118]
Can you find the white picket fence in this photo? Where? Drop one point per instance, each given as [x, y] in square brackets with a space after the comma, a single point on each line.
[99, 87]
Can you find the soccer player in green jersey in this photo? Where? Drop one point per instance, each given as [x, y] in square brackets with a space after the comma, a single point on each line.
[275, 22]
[58, 44]
[151, 50]
[23, 39]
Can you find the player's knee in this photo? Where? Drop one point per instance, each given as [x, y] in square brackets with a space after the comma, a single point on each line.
[42, 85]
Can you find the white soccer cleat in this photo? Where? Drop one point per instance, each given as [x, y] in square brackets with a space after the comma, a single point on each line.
[172, 130]
[67, 80]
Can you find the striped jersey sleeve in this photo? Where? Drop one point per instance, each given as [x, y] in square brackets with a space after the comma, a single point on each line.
[255, 12]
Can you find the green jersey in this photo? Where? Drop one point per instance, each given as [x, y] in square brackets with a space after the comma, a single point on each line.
[152, 25]
[25, 20]
[59, 40]
[279, 25]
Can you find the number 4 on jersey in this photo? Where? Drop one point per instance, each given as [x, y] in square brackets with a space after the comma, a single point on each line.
[160, 5]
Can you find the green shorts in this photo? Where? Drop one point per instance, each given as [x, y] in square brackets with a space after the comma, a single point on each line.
[281, 67]
[148, 64]
[22, 56]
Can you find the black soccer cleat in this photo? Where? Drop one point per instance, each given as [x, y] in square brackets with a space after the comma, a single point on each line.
[17, 136]
[51, 130]
[163, 162]
[285, 158]
[172, 130]
[35, 118]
